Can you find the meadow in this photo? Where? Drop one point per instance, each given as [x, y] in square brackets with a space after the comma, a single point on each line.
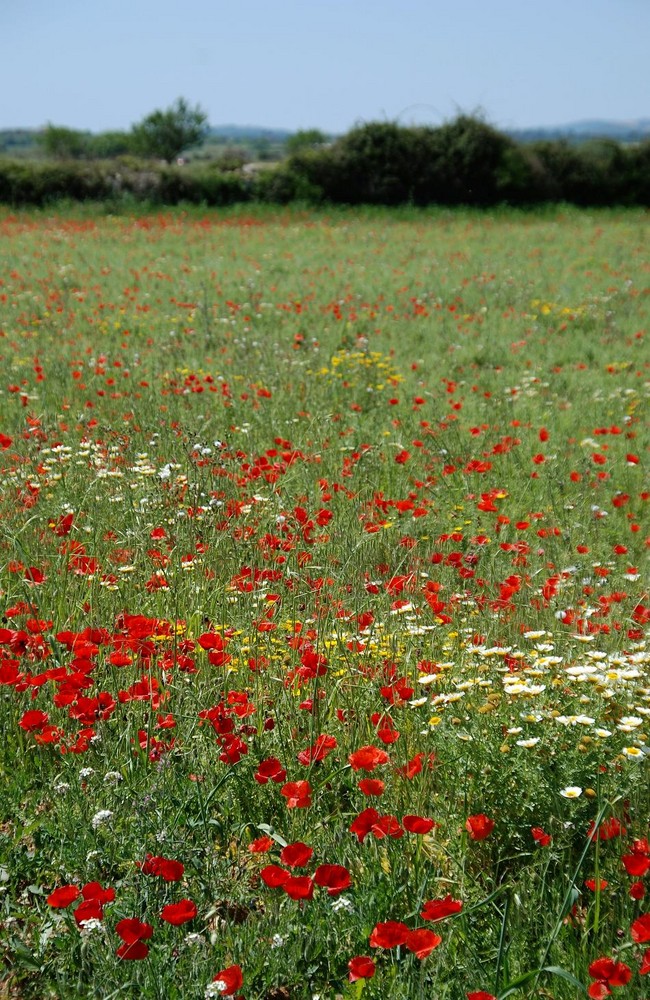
[323, 657]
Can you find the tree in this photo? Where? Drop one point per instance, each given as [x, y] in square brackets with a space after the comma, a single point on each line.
[63, 143]
[166, 134]
[309, 138]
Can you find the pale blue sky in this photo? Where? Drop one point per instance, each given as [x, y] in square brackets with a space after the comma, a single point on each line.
[324, 63]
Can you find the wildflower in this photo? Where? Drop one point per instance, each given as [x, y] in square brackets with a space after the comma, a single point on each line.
[335, 878]
[227, 982]
[479, 827]
[640, 929]
[540, 837]
[571, 792]
[389, 934]
[361, 967]
[92, 926]
[296, 855]
[367, 758]
[112, 778]
[607, 973]
[100, 818]
[63, 896]
[179, 913]
[422, 942]
[438, 909]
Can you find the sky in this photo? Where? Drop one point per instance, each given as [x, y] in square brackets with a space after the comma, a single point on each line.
[327, 64]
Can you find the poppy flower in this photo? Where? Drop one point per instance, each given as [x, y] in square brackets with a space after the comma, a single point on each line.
[644, 968]
[296, 855]
[165, 868]
[94, 890]
[438, 909]
[640, 929]
[135, 951]
[387, 826]
[297, 794]
[372, 786]
[131, 930]
[229, 980]
[319, 751]
[636, 865]
[274, 876]
[270, 770]
[63, 896]
[389, 934]
[364, 823]
[299, 887]
[417, 824]
[367, 758]
[479, 826]
[481, 995]
[540, 837]
[361, 967]
[422, 942]
[179, 913]
[334, 878]
[33, 720]
[261, 845]
[607, 973]
[90, 909]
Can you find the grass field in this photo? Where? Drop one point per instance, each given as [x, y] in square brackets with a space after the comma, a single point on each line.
[323, 661]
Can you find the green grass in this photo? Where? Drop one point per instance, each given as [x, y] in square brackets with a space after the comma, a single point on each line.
[270, 477]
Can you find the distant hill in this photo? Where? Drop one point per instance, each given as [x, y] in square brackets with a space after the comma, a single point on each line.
[248, 133]
[590, 128]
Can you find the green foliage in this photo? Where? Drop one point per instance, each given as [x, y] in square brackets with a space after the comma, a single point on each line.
[61, 143]
[108, 145]
[307, 138]
[164, 135]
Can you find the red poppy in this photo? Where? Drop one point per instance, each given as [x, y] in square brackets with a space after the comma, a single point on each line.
[636, 865]
[417, 824]
[229, 980]
[637, 890]
[372, 786]
[296, 855]
[387, 826]
[131, 930]
[274, 876]
[481, 995]
[389, 934]
[135, 951]
[540, 837]
[63, 896]
[179, 913]
[644, 968]
[94, 890]
[318, 751]
[479, 826]
[594, 886]
[438, 909]
[361, 967]
[367, 758]
[299, 887]
[270, 770]
[90, 909]
[607, 973]
[364, 823]
[33, 720]
[297, 794]
[422, 942]
[170, 871]
[261, 845]
[640, 929]
[334, 878]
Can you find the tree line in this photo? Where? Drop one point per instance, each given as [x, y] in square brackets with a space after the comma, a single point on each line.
[462, 162]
